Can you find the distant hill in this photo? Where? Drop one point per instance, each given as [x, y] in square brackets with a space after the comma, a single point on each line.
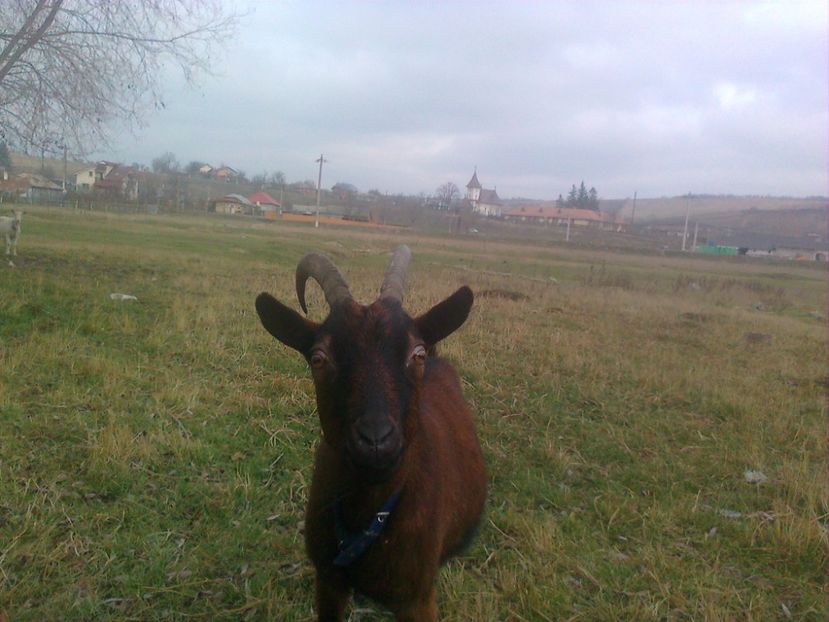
[804, 228]
[751, 222]
[788, 222]
[669, 208]
[22, 163]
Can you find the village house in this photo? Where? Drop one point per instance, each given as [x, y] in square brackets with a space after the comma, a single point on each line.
[233, 204]
[483, 201]
[31, 187]
[266, 205]
[109, 178]
[225, 173]
[122, 181]
[85, 179]
[560, 216]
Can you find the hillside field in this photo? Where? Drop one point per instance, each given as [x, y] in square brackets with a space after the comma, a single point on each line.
[708, 208]
[155, 455]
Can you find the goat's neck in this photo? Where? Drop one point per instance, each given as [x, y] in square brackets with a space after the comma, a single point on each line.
[359, 495]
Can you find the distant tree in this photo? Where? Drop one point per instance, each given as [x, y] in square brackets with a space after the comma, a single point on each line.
[165, 163]
[572, 197]
[560, 201]
[150, 189]
[304, 185]
[593, 199]
[582, 198]
[69, 67]
[447, 194]
[344, 190]
[5, 156]
[277, 178]
[260, 179]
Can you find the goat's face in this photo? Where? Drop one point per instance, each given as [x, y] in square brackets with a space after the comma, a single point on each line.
[367, 363]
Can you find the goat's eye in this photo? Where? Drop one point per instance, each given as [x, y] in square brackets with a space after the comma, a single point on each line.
[419, 355]
[318, 359]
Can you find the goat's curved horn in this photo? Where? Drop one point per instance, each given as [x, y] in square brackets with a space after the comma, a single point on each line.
[323, 271]
[395, 278]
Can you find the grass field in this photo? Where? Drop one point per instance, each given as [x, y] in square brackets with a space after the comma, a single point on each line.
[155, 455]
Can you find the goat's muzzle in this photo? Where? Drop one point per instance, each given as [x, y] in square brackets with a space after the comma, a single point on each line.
[375, 446]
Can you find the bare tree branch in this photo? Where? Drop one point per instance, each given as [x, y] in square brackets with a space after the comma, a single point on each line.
[23, 41]
[70, 69]
[18, 36]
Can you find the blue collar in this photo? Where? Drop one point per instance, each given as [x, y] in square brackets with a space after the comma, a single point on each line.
[351, 545]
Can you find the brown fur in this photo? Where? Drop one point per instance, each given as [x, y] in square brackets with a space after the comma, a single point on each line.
[440, 473]
[444, 487]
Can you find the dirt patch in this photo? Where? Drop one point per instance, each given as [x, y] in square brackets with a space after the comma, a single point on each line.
[331, 220]
[756, 338]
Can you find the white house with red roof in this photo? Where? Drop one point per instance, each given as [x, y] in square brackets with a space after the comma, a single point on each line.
[266, 204]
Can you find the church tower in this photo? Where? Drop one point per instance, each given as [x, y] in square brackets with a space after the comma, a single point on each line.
[473, 189]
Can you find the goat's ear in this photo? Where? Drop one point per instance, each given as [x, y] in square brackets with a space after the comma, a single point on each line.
[445, 317]
[285, 324]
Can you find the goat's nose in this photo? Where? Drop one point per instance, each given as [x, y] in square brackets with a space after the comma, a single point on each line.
[376, 435]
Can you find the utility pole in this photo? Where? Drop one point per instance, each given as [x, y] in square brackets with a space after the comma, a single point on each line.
[696, 231]
[633, 213]
[567, 237]
[64, 168]
[321, 161]
[687, 213]
[281, 195]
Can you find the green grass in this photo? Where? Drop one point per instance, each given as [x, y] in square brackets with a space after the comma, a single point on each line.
[155, 455]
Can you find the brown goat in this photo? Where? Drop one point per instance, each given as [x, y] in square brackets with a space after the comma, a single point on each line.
[399, 482]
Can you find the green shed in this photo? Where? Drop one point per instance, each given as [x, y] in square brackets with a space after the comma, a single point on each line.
[713, 249]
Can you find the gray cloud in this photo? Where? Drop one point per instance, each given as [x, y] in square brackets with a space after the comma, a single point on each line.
[659, 98]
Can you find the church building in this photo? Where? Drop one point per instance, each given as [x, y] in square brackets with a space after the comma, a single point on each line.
[483, 201]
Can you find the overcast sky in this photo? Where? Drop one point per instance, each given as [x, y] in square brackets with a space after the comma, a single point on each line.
[662, 98]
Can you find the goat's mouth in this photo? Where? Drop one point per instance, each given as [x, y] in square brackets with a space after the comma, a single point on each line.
[374, 468]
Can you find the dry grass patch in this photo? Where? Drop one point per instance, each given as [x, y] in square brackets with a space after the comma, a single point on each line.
[157, 455]
[117, 447]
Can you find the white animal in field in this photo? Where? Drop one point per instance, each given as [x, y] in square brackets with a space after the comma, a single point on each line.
[10, 227]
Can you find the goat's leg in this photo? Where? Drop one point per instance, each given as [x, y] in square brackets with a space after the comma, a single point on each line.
[332, 597]
[424, 610]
